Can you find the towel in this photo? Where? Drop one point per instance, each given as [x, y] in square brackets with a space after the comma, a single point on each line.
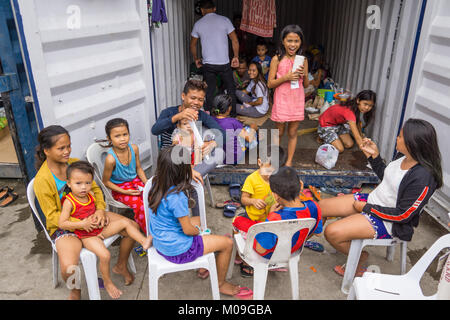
[157, 11]
[259, 17]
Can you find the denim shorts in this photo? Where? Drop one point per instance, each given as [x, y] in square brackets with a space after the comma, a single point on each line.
[59, 233]
[378, 227]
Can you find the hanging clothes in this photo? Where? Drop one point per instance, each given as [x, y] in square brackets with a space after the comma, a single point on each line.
[259, 17]
[157, 12]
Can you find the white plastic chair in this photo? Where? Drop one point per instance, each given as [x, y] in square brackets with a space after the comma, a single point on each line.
[88, 258]
[281, 257]
[158, 265]
[376, 286]
[96, 155]
[355, 253]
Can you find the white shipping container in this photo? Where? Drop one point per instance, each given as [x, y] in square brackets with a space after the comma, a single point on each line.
[109, 65]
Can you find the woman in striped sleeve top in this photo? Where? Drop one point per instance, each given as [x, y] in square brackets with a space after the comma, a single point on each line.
[394, 207]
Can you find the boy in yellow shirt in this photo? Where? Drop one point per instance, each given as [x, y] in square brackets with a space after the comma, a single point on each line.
[256, 194]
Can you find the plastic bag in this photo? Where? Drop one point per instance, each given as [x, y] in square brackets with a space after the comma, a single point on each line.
[327, 156]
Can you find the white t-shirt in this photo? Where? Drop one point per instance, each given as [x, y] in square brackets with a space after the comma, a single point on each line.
[260, 92]
[213, 31]
[385, 194]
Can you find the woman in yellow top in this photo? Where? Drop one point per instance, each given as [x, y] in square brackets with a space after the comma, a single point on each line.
[52, 160]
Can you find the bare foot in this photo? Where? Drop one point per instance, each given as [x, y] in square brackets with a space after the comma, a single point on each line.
[147, 243]
[203, 273]
[129, 278]
[112, 290]
[228, 288]
[75, 294]
[362, 259]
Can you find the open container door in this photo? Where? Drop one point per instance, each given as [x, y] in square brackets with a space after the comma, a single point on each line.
[429, 94]
[89, 62]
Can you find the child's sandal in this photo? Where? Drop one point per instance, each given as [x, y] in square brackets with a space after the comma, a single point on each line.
[246, 270]
[4, 192]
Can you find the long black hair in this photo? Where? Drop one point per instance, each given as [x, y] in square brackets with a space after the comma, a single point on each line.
[365, 95]
[170, 173]
[221, 104]
[46, 140]
[292, 28]
[260, 80]
[421, 141]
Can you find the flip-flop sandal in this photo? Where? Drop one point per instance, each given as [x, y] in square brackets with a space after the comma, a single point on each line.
[203, 275]
[220, 205]
[315, 246]
[335, 191]
[340, 270]
[4, 192]
[235, 192]
[315, 192]
[305, 196]
[244, 293]
[11, 197]
[246, 274]
[229, 211]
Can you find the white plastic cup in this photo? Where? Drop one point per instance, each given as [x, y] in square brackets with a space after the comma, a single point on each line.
[298, 62]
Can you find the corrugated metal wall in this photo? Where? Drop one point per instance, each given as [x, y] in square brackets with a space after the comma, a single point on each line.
[170, 52]
[360, 58]
[371, 59]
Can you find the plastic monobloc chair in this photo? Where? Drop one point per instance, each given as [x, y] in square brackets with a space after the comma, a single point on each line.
[281, 257]
[355, 253]
[158, 265]
[88, 258]
[377, 286]
[96, 155]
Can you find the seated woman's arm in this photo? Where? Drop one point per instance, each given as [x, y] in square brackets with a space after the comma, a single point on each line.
[370, 149]
[46, 201]
[414, 193]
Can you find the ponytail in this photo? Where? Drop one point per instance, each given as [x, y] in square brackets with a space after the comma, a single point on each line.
[46, 140]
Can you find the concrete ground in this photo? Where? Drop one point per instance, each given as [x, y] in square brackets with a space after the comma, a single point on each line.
[25, 266]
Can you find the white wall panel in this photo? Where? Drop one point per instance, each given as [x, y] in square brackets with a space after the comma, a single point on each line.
[429, 97]
[89, 62]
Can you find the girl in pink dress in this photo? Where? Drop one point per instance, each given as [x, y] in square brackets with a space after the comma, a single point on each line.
[289, 104]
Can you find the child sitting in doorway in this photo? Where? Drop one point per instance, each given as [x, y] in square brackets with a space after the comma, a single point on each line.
[237, 135]
[240, 75]
[262, 58]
